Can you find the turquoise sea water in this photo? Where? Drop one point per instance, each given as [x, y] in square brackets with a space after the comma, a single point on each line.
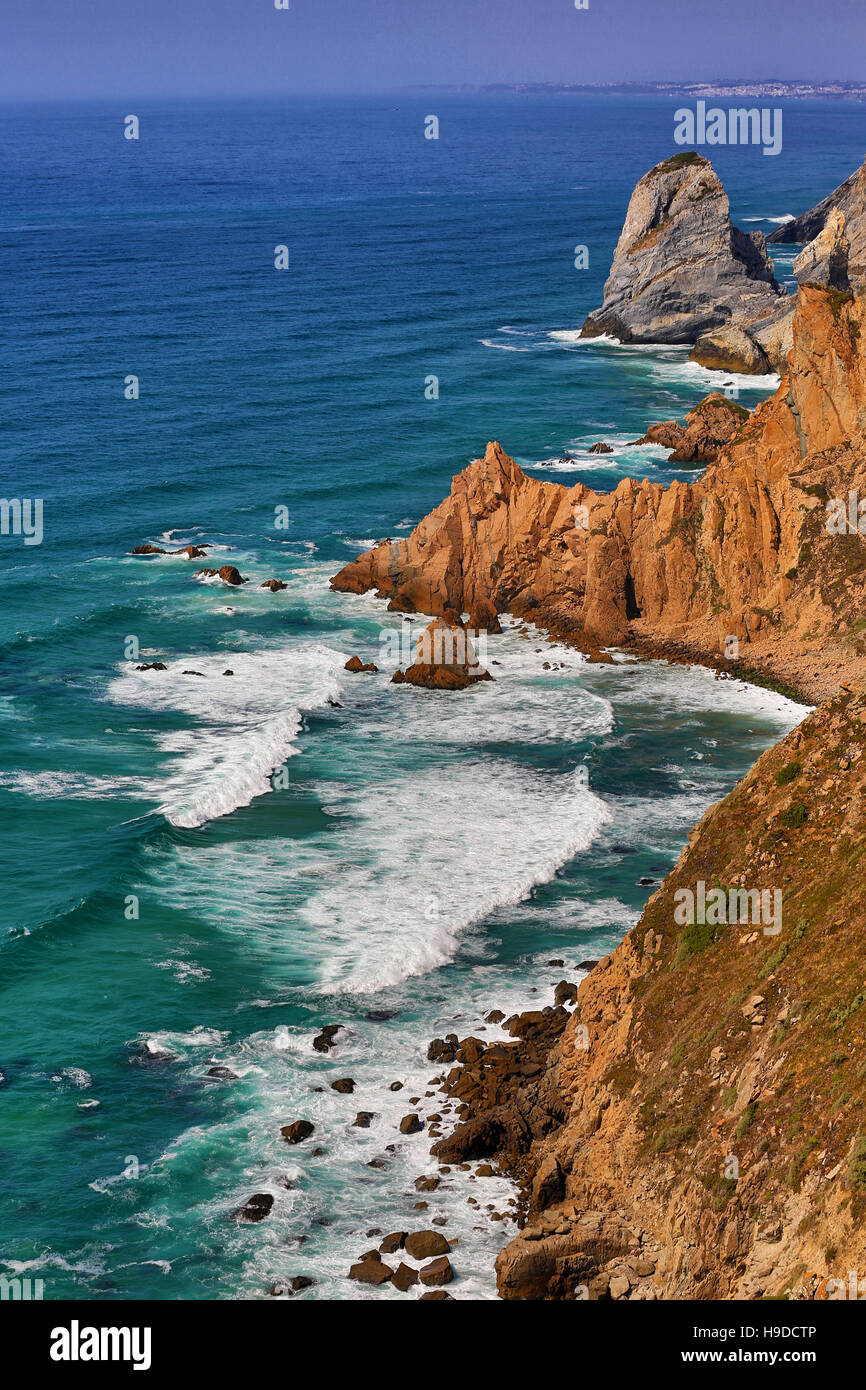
[421, 857]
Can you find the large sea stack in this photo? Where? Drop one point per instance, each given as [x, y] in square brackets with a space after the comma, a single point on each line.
[681, 270]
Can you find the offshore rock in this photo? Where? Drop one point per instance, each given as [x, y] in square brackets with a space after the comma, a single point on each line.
[680, 269]
[445, 659]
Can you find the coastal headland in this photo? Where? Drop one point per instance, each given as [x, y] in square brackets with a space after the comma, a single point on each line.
[688, 1121]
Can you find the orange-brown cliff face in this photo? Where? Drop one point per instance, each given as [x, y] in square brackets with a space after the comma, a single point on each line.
[706, 1134]
[744, 551]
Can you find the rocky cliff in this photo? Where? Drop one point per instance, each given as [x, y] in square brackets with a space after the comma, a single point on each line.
[849, 199]
[711, 1076]
[682, 271]
[696, 1127]
[744, 552]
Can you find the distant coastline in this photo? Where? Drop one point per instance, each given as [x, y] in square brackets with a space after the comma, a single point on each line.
[800, 90]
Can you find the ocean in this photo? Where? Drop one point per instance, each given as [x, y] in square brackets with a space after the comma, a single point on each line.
[201, 870]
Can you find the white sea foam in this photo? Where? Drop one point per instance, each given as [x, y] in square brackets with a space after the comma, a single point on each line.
[443, 849]
[503, 347]
[708, 379]
[247, 723]
[786, 217]
[573, 337]
[74, 786]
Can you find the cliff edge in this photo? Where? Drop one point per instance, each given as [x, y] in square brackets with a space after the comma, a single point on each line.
[711, 1074]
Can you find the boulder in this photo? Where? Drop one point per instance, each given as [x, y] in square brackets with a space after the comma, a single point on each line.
[371, 1272]
[297, 1131]
[443, 1049]
[473, 1139]
[437, 1272]
[356, 665]
[411, 1124]
[275, 585]
[548, 1185]
[364, 1119]
[392, 1243]
[404, 1277]
[437, 1294]
[730, 350]
[426, 1245]
[345, 1085]
[470, 1050]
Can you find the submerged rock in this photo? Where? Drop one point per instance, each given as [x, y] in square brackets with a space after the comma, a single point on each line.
[255, 1208]
[324, 1041]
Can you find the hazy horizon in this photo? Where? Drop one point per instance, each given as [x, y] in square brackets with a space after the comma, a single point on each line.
[221, 48]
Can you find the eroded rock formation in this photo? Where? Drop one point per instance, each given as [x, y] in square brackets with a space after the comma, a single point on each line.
[708, 427]
[850, 200]
[681, 270]
[744, 551]
[445, 659]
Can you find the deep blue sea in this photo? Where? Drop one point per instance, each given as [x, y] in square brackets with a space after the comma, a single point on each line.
[200, 869]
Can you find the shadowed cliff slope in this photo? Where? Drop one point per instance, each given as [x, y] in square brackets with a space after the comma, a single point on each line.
[713, 1074]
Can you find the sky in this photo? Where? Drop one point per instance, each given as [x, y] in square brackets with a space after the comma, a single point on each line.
[123, 48]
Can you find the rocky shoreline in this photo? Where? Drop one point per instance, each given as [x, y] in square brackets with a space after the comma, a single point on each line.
[693, 1128]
